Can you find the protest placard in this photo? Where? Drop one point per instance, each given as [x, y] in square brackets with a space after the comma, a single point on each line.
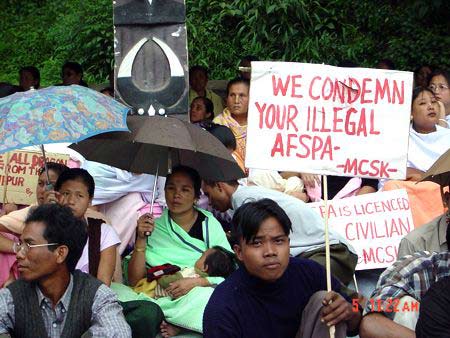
[373, 224]
[20, 169]
[329, 120]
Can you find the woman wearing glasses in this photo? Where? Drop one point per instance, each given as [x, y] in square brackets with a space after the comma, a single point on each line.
[439, 82]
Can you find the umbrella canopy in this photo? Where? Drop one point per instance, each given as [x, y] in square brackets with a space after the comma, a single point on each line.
[57, 114]
[155, 144]
[439, 171]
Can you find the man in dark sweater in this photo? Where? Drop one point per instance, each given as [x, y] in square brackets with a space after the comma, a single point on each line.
[52, 299]
[271, 294]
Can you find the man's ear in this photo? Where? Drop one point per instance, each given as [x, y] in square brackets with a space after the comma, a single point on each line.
[61, 252]
[204, 268]
[238, 251]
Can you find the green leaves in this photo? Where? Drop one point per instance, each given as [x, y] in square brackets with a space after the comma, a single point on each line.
[46, 33]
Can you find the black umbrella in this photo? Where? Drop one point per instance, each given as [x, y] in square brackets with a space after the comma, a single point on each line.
[155, 144]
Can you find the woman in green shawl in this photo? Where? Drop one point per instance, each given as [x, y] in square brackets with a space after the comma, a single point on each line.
[179, 237]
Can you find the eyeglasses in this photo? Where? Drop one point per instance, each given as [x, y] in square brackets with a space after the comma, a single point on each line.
[439, 86]
[26, 247]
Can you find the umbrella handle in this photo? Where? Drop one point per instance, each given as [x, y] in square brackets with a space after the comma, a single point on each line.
[153, 195]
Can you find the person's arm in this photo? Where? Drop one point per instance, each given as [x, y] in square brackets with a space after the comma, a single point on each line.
[182, 286]
[107, 264]
[220, 321]
[107, 318]
[6, 245]
[6, 311]
[136, 266]
[413, 174]
[366, 190]
[405, 248]
[376, 325]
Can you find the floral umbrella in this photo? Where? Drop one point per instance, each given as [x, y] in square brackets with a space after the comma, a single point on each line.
[57, 114]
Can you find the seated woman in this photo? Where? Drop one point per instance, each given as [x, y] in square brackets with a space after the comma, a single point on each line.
[75, 189]
[202, 109]
[179, 237]
[427, 140]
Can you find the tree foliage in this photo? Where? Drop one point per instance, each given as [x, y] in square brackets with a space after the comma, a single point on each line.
[46, 33]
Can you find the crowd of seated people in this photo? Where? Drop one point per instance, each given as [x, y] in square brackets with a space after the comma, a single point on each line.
[267, 222]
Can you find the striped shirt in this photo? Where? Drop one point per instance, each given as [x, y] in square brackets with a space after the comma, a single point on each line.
[412, 275]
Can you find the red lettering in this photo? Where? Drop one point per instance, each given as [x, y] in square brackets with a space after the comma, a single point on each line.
[350, 125]
[290, 145]
[278, 85]
[290, 120]
[372, 124]
[400, 94]
[330, 92]
[296, 85]
[278, 146]
[380, 92]
[336, 120]
[261, 113]
[311, 88]
[365, 91]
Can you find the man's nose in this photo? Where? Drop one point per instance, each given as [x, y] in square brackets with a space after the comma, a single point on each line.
[270, 249]
[237, 99]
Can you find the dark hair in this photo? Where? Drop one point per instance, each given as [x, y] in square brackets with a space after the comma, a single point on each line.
[198, 68]
[34, 72]
[211, 183]
[438, 72]
[249, 216]
[388, 62]
[191, 173]
[58, 168]
[209, 106]
[249, 58]
[76, 67]
[77, 174]
[347, 63]
[417, 91]
[236, 81]
[62, 227]
[108, 89]
[223, 134]
[221, 263]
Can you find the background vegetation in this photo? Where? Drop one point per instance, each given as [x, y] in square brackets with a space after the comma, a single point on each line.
[46, 33]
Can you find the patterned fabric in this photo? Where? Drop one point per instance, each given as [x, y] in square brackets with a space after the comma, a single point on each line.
[411, 276]
[107, 318]
[240, 132]
[57, 114]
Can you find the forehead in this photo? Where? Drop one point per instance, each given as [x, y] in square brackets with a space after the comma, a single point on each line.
[180, 178]
[270, 227]
[238, 88]
[33, 230]
[52, 175]
[74, 185]
[424, 95]
[439, 79]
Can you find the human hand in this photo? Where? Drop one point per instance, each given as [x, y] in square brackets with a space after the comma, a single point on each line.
[145, 226]
[336, 309]
[310, 180]
[52, 196]
[182, 286]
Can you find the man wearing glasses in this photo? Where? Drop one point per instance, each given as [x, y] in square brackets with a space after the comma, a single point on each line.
[51, 299]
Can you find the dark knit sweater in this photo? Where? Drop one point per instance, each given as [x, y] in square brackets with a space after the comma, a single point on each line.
[28, 318]
[245, 306]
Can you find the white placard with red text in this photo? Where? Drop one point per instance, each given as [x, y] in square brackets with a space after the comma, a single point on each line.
[329, 120]
[373, 224]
